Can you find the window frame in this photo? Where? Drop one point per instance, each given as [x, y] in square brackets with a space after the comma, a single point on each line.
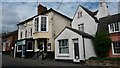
[113, 51]
[63, 47]
[81, 26]
[18, 48]
[114, 27]
[27, 46]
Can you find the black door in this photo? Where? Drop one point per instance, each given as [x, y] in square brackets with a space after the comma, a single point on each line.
[76, 50]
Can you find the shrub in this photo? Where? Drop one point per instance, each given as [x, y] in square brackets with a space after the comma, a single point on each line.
[102, 43]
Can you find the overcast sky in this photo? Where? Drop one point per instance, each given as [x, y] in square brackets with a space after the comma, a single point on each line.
[15, 11]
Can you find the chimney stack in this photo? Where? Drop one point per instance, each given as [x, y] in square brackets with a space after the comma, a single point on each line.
[41, 9]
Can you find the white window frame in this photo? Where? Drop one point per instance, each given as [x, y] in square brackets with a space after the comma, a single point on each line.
[19, 50]
[39, 23]
[113, 50]
[81, 26]
[46, 23]
[63, 54]
[4, 46]
[113, 30]
[27, 46]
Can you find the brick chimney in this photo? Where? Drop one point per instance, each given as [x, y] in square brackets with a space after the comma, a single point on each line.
[41, 9]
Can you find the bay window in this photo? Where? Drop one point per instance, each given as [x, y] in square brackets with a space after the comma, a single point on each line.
[41, 24]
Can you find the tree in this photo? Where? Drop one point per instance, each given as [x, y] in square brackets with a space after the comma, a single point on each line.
[102, 43]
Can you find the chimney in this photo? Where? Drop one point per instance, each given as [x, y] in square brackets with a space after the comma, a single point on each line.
[41, 9]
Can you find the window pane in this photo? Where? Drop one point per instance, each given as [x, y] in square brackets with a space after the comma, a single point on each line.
[116, 47]
[43, 23]
[116, 27]
[19, 47]
[29, 46]
[63, 46]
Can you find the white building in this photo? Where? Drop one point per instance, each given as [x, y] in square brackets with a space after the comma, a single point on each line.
[75, 43]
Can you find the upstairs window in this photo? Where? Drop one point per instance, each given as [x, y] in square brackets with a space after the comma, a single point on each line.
[36, 25]
[20, 34]
[30, 31]
[43, 23]
[115, 27]
[79, 14]
[81, 27]
[25, 33]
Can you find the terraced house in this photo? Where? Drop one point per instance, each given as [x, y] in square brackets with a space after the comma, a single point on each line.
[36, 34]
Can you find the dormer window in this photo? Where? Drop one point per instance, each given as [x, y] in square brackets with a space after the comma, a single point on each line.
[81, 27]
[114, 27]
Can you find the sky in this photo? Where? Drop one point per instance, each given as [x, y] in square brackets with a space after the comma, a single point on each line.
[15, 11]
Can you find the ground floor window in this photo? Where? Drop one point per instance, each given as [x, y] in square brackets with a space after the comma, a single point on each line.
[63, 46]
[19, 47]
[116, 47]
[30, 45]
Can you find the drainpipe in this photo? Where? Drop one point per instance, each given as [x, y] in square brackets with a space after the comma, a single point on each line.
[84, 47]
[15, 50]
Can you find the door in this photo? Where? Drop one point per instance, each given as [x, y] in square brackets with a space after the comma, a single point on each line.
[76, 50]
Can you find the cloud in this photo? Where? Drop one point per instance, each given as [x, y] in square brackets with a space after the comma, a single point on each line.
[58, 0]
[15, 12]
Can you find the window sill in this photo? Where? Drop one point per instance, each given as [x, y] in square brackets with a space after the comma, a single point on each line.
[114, 32]
[41, 32]
[115, 54]
[63, 55]
[29, 50]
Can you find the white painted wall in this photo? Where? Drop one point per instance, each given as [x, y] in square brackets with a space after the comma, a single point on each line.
[68, 34]
[102, 12]
[24, 27]
[90, 26]
[89, 48]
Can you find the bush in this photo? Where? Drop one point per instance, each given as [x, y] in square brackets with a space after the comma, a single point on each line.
[102, 43]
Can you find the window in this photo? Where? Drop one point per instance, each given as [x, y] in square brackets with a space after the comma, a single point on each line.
[81, 27]
[43, 23]
[19, 47]
[63, 46]
[115, 27]
[30, 31]
[30, 45]
[36, 25]
[20, 34]
[25, 33]
[79, 14]
[4, 46]
[116, 47]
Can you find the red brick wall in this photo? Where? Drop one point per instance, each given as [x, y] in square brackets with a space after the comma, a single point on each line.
[8, 38]
[114, 37]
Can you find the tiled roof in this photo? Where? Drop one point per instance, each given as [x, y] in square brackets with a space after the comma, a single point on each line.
[76, 31]
[43, 14]
[10, 33]
[92, 14]
[108, 20]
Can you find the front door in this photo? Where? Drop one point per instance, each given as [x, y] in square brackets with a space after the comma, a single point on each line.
[76, 50]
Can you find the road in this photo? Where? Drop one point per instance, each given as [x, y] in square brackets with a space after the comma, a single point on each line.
[12, 61]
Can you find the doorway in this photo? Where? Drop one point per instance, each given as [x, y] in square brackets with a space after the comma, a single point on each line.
[76, 50]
